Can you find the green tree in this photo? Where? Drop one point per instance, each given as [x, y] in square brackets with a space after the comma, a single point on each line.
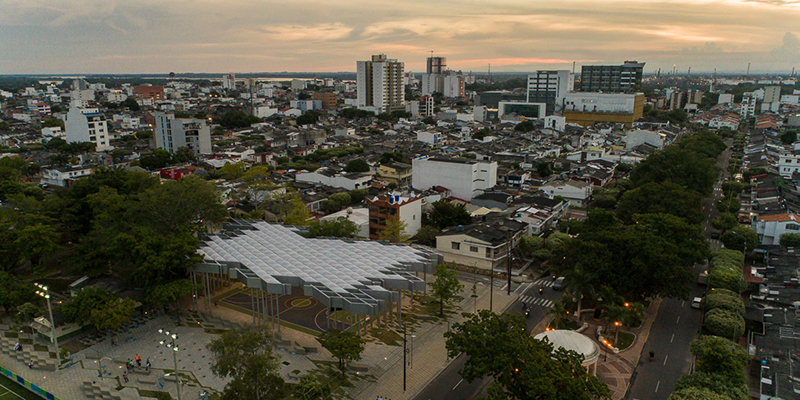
[34, 242]
[736, 237]
[183, 154]
[725, 221]
[114, 314]
[661, 198]
[310, 387]
[296, 213]
[717, 355]
[79, 309]
[395, 232]
[170, 292]
[358, 195]
[336, 202]
[579, 282]
[15, 291]
[789, 137]
[50, 122]
[345, 346]
[188, 203]
[725, 299]
[559, 312]
[237, 119]
[158, 159]
[245, 356]
[724, 323]
[426, 235]
[26, 313]
[522, 367]
[231, 171]
[790, 240]
[544, 169]
[524, 126]
[716, 383]
[446, 286]
[357, 165]
[725, 278]
[447, 214]
[340, 227]
[130, 103]
[695, 393]
[688, 238]
[308, 118]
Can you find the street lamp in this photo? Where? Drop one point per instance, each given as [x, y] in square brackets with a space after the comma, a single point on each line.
[616, 335]
[45, 292]
[170, 344]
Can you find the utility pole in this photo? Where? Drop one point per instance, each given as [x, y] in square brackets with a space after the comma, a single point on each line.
[510, 239]
[491, 286]
[405, 352]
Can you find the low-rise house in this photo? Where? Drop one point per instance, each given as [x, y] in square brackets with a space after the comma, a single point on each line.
[407, 209]
[396, 172]
[359, 216]
[577, 193]
[483, 245]
[64, 176]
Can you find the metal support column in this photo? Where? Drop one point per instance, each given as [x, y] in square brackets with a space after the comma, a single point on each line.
[253, 304]
[399, 307]
[278, 311]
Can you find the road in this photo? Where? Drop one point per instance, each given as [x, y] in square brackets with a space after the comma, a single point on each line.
[449, 383]
[676, 324]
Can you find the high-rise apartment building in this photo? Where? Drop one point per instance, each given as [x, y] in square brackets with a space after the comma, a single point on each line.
[625, 78]
[454, 86]
[172, 133]
[229, 81]
[437, 65]
[87, 124]
[380, 85]
[549, 87]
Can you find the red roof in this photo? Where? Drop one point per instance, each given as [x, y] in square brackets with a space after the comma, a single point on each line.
[778, 218]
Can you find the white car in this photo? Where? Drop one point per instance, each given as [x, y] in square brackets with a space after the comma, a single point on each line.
[696, 302]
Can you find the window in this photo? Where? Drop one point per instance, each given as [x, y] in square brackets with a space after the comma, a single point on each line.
[793, 227]
[455, 245]
[473, 249]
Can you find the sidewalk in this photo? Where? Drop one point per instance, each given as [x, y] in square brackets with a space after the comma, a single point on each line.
[429, 354]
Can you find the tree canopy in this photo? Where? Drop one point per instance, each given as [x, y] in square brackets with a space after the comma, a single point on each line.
[245, 356]
[345, 346]
[446, 285]
[340, 227]
[447, 214]
[522, 367]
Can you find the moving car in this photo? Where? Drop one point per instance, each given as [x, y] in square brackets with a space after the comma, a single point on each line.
[696, 302]
[559, 283]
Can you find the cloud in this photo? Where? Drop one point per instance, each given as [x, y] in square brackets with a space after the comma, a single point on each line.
[43, 36]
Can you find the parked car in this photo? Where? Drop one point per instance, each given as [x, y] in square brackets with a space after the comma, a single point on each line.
[696, 302]
[715, 235]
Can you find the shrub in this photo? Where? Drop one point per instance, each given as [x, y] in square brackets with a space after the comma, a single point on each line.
[725, 278]
[724, 299]
[724, 323]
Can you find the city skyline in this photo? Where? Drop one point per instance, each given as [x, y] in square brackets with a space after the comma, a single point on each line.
[87, 37]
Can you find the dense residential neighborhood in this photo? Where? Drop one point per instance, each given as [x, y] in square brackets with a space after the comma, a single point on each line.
[320, 224]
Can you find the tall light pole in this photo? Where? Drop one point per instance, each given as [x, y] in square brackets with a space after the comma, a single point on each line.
[170, 343]
[45, 292]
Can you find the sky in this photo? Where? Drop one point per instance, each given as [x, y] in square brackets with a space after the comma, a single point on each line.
[205, 36]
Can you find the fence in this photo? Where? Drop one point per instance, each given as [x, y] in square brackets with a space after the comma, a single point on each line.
[28, 385]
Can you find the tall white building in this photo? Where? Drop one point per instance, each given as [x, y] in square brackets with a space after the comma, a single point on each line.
[748, 107]
[87, 124]
[229, 81]
[453, 86]
[550, 87]
[465, 178]
[380, 85]
[172, 133]
[427, 106]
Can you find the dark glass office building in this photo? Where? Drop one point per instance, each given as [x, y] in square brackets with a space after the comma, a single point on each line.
[625, 78]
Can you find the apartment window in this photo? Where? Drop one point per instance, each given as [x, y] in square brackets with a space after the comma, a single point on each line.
[455, 245]
[793, 227]
[473, 249]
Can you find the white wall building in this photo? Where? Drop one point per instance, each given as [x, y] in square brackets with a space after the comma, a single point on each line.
[431, 138]
[600, 102]
[84, 124]
[464, 178]
[788, 163]
[172, 133]
[637, 137]
[725, 98]
[306, 105]
[229, 81]
[427, 106]
[265, 111]
[327, 176]
[550, 87]
[453, 86]
[64, 176]
[359, 216]
[576, 192]
[769, 228]
[380, 84]
[748, 106]
[298, 84]
[53, 131]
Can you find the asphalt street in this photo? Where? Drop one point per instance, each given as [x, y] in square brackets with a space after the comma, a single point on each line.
[676, 324]
[449, 384]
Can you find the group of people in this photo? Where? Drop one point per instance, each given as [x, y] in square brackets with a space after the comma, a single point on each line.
[131, 364]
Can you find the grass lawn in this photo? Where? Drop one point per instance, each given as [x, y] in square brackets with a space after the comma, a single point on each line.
[625, 340]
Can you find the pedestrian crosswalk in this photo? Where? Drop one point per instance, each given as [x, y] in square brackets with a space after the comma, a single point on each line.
[543, 282]
[536, 300]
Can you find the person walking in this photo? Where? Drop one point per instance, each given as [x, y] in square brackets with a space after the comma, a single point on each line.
[125, 377]
[138, 360]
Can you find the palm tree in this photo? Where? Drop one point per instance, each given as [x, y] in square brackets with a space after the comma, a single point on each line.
[558, 311]
[613, 313]
[579, 282]
[606, 296]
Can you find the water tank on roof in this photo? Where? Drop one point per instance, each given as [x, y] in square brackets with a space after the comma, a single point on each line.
[391, 199]
[397, 198]
[461, 228]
